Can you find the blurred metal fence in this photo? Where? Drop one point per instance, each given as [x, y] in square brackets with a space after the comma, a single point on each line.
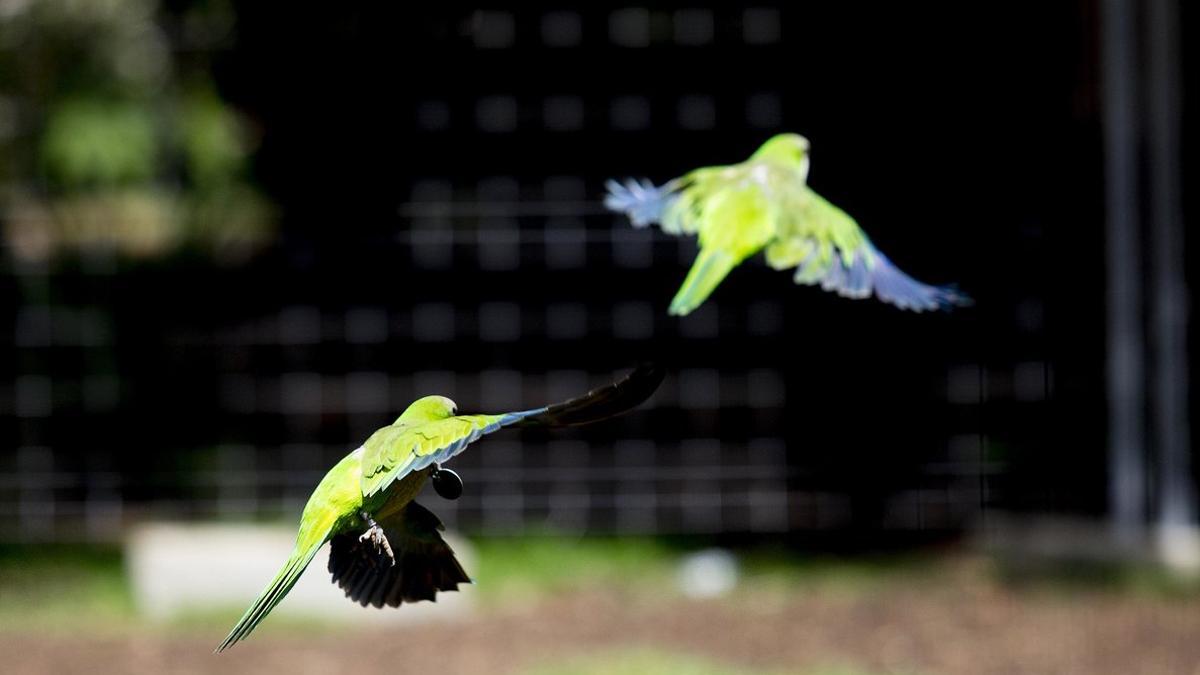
[204, 410]
[192, 387]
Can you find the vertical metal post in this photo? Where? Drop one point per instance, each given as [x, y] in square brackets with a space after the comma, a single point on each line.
[1176, 509]
[1126, 360]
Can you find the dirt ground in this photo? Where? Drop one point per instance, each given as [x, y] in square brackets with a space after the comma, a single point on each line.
[951, 627]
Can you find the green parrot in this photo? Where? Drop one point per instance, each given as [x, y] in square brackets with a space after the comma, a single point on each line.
[765, 203]
[386, 548]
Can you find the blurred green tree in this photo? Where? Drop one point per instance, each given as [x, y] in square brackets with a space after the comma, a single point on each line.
[114, 135]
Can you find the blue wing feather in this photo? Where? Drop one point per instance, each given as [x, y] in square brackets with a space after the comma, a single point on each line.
[446, 452]
[871, 272]
[895, 287]
[443, 454]
[640, 200]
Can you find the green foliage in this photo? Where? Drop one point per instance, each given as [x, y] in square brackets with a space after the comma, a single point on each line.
[517, 568]
[97, 143]
[1071, 577]
[121, 141]
[212, 140]
[63, 588]
[779, 570]
[66, 48]
[520, 568]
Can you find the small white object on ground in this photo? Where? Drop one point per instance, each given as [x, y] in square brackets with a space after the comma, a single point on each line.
[1179, 548]
[709, 573]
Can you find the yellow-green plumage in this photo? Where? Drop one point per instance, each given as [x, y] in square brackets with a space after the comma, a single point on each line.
[335, 496]
[762, 204]
[381, 479]
[386, 548]
[735, 224]
[392, 451]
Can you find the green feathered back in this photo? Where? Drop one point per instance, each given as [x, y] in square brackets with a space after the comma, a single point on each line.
[765, 203]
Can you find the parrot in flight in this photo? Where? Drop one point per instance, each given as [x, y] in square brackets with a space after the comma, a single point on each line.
[386, 548]
[765, 203]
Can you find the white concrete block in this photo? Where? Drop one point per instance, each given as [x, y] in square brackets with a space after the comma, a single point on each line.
[179, 569]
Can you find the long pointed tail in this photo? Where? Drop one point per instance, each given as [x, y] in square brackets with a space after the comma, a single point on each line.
[275, 591]
[598, 404]
[706, 274]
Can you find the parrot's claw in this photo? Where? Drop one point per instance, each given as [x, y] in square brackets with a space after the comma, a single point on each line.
[377, 538]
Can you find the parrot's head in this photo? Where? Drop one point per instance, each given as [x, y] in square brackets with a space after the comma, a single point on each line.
[787, 149]
[428, 409]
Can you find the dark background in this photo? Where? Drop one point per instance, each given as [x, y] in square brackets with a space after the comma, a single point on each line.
[437, 175]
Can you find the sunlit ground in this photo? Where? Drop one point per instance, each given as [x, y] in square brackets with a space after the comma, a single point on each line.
[552, 605]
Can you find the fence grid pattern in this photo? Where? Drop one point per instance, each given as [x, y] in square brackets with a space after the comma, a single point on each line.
[141, 390]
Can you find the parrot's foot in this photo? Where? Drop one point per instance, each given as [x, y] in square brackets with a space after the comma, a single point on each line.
[376, 537]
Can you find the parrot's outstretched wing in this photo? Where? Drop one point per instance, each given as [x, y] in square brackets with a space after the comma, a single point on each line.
[393, 452]
[423, 562]
[676, 206]
[600, 404]
[827, 247]
[644, 203]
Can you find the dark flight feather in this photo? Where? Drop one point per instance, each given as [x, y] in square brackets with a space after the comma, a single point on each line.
[600, 404]
[424, 564]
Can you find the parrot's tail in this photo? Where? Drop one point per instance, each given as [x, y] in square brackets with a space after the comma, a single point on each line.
[640, 200]
[423, 564]
[598, 404]
[275, 591]
[706, 274]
